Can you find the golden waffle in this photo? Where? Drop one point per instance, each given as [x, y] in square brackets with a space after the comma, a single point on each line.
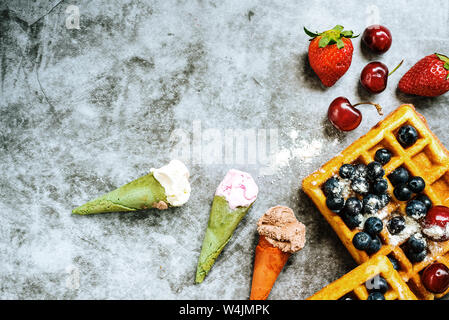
[353, 283]
[427, 158]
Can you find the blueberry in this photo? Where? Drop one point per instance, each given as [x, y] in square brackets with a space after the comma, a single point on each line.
[374, 245]
[376, 296]
[398, 176]
[371, 204]
[360, 185]
[384, 200]
[377, 284]
[347, 297]
[424, 199]
[416, 209]
[416, 257]
[417, 243]
[407, 136]
[382, 156]
[335, 203]
[380, 186]
[402, 192]
[347, 171]
[352, 221]
[373, 226]
[332, 187]
[396, 224]
[360, 170]
[361, 240]
[416, 184]
[394, 262]
[353, 206]
[375, 171]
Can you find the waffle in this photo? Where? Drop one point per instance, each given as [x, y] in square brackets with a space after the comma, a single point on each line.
[427, 158]
[353, 283]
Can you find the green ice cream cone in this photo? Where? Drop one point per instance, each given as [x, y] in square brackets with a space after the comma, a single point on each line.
[139, 194]
[222, 223]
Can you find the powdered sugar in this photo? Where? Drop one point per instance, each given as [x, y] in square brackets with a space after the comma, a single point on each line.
[411, 227]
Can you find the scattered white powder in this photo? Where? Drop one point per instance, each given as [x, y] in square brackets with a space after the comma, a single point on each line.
[436, 232]
[411, 227]
[346, 190]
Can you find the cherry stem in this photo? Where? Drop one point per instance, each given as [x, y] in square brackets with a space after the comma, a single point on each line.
[400, 64]
[378, 107]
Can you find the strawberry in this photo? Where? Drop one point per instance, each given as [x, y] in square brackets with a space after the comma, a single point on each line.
[429, 77]
[330, 53]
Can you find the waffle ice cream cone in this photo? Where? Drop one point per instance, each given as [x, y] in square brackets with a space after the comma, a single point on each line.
[162, 188]
[233, 198]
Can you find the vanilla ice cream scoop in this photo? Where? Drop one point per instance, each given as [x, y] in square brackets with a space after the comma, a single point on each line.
[174, 177]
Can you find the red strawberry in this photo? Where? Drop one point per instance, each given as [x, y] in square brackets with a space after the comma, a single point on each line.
[429, 77]
[330, 53]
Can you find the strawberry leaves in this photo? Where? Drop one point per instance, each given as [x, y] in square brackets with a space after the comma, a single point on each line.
[446, 62]
[332, 36]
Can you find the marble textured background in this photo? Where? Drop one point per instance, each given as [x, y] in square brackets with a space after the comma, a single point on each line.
[85, 110]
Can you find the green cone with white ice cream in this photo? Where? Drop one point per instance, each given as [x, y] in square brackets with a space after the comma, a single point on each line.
[165, 187]
[233, 198]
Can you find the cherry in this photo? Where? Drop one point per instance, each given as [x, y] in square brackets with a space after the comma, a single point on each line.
[374, 76]
[344, 116]
[377, 38]
[436, 278]
[436, 224]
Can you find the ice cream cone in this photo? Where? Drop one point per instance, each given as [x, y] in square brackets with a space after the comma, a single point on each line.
[280, 235]
[142, 193]
[164, 187]
[233, 198]
[268, 264]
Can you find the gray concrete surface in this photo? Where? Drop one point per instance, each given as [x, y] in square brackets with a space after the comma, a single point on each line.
[85, 110]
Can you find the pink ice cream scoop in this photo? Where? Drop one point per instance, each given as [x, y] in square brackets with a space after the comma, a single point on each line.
[238, 188]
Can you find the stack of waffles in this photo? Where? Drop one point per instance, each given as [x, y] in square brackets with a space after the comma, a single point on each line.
[426, 158]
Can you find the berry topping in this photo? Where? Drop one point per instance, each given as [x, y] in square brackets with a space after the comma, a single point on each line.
[416, 184]
[347, 171]
[375, 171]
[376, 296]
[402, 192]
[416, 209]
[335, 203]
[417, 243]
[360, 170]
[396, 224]
[377, 284]
[384, 200]
[371, 204]
[374, 245]
[353, 206]
[361, 240]
[407, 136]
[360, 185]
[332, 187]
[398, 176]
[436, 224]
[377, 38]
[373, 226]
[416, 257]
[382, 156]
[436, 278]
[380, 186]
[424, 199]
[352, 221]
[394, 262]
[347, 297]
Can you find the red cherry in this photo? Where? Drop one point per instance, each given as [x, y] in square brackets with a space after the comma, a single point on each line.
[436, 278]
[436, 223]
[374, 77]
[344, 116]
[377, 38]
